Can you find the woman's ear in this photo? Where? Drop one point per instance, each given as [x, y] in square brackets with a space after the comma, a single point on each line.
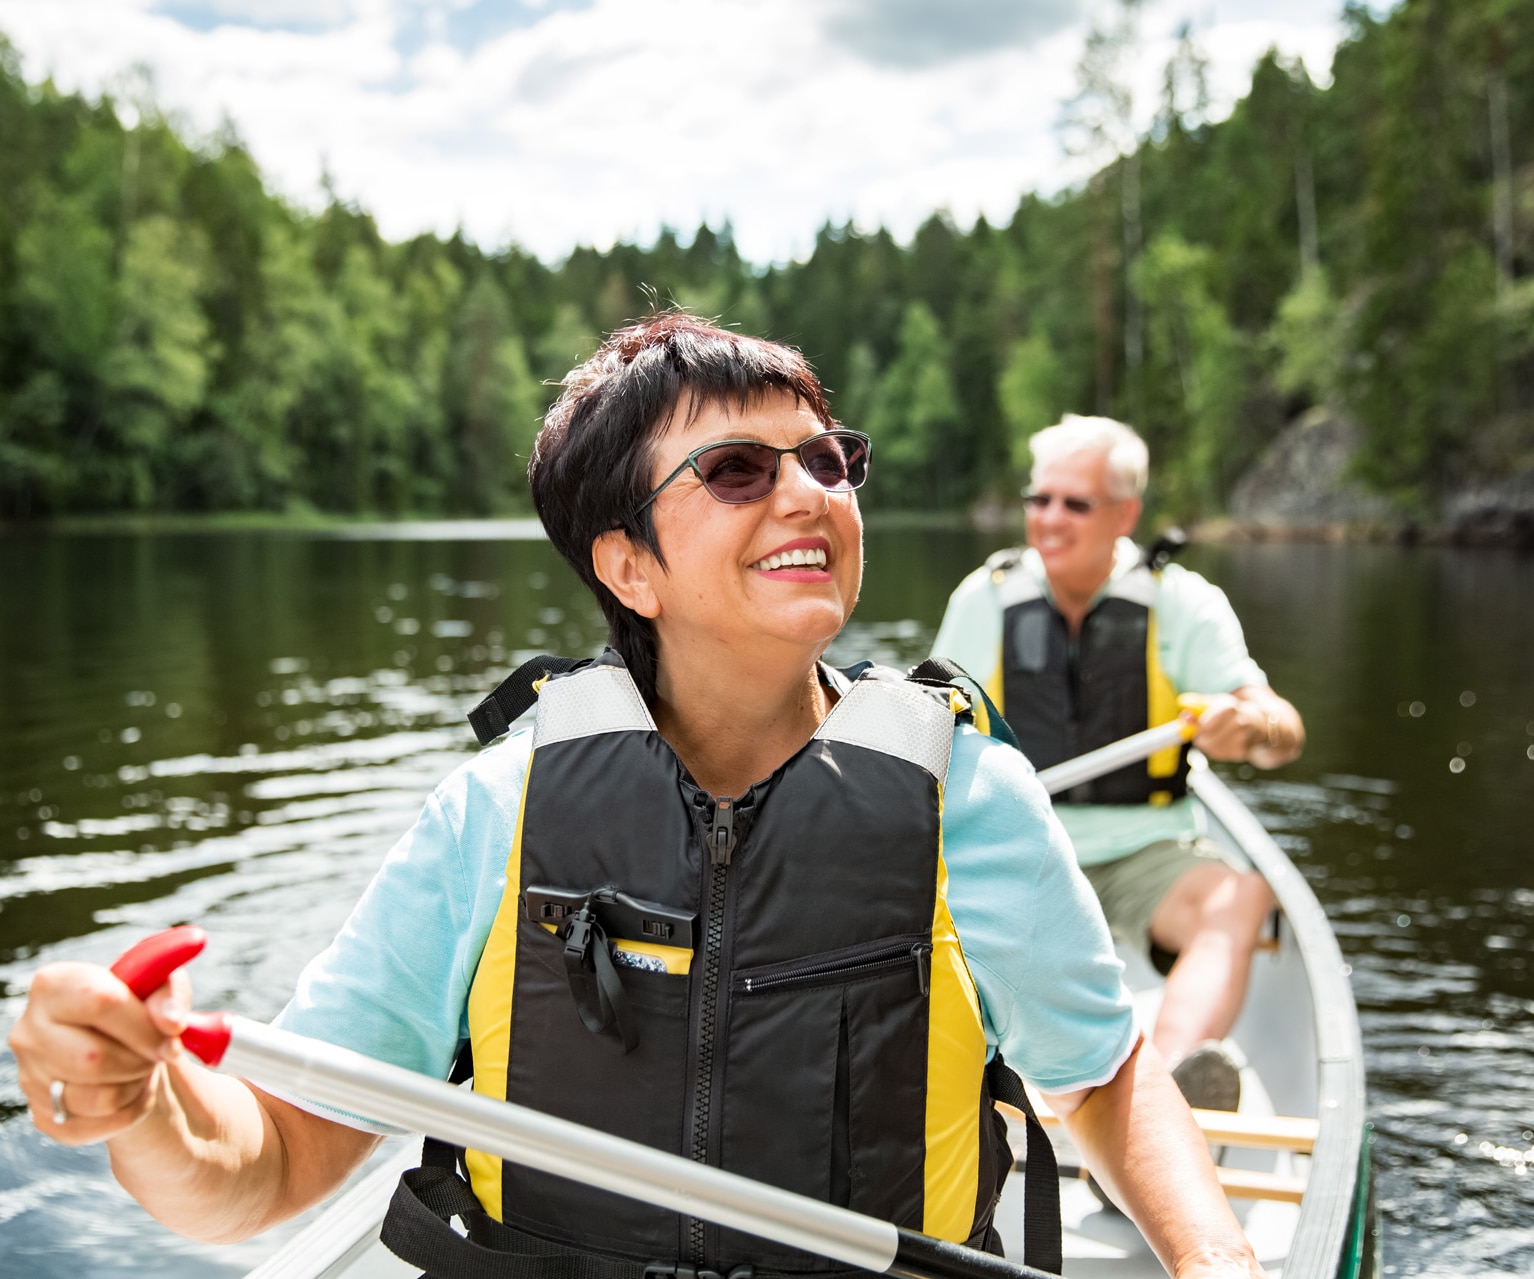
[627, 571]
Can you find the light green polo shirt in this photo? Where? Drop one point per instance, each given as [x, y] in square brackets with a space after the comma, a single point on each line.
[1202, 650]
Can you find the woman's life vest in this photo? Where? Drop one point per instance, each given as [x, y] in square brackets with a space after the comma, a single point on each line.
[1065, 695]
[770, 984]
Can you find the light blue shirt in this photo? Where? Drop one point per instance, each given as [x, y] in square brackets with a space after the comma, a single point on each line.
[394, 983]
[1202, 650]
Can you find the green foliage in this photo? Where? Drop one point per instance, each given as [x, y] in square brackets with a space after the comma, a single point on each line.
[914, 411]
[1193, 339]
[1309, 339]
[173, 336]
[1031, 393]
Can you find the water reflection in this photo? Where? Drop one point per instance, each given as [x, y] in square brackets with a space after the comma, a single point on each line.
[233, 728]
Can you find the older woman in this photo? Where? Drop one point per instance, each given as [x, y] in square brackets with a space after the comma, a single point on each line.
[721, 898]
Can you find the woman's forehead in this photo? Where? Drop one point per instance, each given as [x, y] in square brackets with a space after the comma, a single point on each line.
[771, 413]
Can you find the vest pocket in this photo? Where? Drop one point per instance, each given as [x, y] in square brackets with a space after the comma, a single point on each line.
[825, 1081]
[558, 1066]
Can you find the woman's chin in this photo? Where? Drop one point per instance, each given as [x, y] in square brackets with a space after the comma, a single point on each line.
[809, 629]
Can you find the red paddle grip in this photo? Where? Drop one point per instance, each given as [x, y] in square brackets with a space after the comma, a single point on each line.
[145, 967]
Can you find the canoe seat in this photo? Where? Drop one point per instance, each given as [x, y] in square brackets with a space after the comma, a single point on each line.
[1294, 1133]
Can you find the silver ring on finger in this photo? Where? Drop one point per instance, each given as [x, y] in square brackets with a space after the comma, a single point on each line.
[56, 1100]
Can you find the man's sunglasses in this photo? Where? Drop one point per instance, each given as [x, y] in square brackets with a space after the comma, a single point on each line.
[1075, 505]
[741, 471]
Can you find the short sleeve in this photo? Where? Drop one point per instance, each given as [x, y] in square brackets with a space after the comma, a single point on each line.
[394, 983]
[1203, 646]
[1051, 987]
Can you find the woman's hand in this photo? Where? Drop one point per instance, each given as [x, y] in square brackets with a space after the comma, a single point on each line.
[91, 1053]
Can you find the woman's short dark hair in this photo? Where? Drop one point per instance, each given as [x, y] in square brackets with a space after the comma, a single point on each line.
[593, 461]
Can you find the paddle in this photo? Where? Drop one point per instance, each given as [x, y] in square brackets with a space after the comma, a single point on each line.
[360, 1085]
[1128, 750]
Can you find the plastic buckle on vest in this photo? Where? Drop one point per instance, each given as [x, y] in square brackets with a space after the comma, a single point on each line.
[682, 1270]
[578, 939]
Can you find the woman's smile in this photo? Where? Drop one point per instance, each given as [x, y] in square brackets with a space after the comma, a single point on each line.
[802, 560]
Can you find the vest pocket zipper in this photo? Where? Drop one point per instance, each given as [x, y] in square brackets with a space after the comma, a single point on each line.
[835, 967]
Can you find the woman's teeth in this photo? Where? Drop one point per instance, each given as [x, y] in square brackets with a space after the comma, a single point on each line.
[800, 558]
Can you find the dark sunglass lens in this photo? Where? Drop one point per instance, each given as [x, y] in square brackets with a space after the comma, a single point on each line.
[839, 462]
[738, 472]
[825, 459]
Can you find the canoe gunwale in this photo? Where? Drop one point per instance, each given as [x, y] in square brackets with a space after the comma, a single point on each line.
[1321, 1237]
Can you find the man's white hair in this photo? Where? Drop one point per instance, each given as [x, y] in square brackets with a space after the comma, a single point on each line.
[1125, 453]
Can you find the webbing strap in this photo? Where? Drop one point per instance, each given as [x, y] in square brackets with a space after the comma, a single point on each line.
[1042, 1247]
[514, 694]
[940, 671]
[418, 1230]
[594, 983]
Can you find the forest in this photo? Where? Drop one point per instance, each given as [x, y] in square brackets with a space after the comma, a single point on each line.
[176, 338]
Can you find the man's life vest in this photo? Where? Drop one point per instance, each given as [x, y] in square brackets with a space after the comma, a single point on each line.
[772, 985]
[1064, 696]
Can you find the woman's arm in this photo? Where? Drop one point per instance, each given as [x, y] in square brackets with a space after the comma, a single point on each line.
[207, 1154]
[1138, 1137]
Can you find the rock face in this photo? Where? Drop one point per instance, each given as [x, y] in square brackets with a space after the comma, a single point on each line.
[1494, 513]
[1299, 487]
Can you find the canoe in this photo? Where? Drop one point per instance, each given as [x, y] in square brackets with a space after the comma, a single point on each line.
[1295, 1160]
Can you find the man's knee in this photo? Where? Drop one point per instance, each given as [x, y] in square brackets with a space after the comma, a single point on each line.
[1238, 903]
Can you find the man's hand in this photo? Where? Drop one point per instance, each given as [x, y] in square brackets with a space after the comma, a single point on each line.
[1253, 724]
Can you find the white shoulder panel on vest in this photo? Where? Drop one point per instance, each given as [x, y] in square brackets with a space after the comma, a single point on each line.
[894, 719]
[1017, 586]
[595, 699]
[1138, 586]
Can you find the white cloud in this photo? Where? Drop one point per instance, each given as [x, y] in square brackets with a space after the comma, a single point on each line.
[599, 123]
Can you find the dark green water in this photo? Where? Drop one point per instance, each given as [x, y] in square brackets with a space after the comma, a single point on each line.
[232, 728]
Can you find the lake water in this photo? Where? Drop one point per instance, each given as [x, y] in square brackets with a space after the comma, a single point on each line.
[232, 728]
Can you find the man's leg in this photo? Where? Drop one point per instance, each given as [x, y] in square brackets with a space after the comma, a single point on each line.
[1212, 918]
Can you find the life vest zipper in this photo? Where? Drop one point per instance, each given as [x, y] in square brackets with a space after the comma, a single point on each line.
[851, 965]
[722, 842]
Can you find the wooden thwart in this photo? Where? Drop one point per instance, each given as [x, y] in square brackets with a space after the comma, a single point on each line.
[1226, 1128]
[1237, 1183]
[1294, 1133]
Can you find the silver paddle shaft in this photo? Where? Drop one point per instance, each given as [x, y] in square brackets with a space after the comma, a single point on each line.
[389, 1094]
[1105, 759]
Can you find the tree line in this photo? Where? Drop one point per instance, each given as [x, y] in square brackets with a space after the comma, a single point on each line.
[174, 337]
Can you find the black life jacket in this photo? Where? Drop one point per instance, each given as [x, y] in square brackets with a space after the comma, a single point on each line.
[817, 1031]
[1063, 697]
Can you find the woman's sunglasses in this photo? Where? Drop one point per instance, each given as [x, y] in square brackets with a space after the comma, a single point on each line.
[1075, 505]
[741, 471]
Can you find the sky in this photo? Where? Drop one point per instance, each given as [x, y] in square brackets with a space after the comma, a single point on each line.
[557, 123]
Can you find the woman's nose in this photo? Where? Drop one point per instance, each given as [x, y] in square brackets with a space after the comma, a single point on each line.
[797, 488]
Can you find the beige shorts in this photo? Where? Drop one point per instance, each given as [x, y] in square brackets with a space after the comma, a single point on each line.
[1130, 888]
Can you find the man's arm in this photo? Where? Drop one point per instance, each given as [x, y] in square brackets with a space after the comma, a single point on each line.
[1253, 724]
[1138, 1137]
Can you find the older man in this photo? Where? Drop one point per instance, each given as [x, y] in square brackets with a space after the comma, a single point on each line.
[1081, 642]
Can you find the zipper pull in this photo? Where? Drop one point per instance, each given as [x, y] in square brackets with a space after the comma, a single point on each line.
[922, 954]
[721, 835]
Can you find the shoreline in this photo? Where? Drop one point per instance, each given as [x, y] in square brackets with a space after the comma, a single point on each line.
[1498, 530]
